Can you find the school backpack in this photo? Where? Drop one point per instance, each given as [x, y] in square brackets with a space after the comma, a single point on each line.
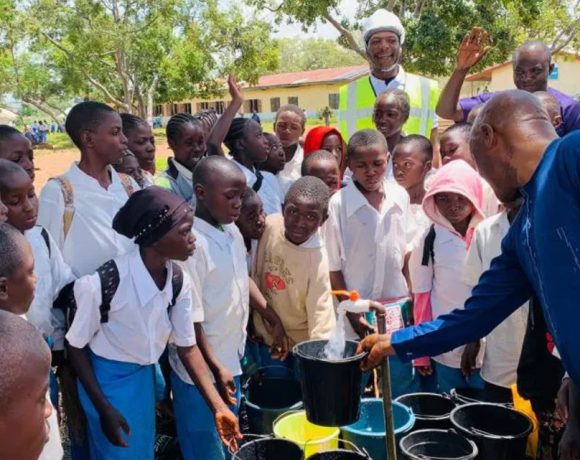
[428, 251]
[68, 196]
[109, 278]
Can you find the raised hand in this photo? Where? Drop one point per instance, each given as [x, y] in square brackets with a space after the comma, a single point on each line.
[473, 48]
[235, 89]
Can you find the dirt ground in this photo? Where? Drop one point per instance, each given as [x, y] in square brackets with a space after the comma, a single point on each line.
[51, 163]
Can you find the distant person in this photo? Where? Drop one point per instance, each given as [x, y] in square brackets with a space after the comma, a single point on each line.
[289, 126]
[532, 65]
[329, 139]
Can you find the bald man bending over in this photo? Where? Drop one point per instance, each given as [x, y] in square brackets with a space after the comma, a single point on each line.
[532, 65]
[24, 366]
[519, 153]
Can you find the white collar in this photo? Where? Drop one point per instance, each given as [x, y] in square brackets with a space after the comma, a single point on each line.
[354, 199]
[143, 282]
[77, 173]
[399, 80]
[249, 173]
[183, 170]
[220, 237]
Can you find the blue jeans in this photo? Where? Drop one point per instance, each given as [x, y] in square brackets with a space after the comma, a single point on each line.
[196, 431]
[450, 377]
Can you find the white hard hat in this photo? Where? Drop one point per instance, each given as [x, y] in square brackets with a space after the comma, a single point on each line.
[383, 21]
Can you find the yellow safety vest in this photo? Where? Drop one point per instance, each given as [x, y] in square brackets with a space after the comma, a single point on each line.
[357, 100]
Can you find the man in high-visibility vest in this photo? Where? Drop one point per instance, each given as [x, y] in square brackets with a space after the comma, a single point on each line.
[384, 36]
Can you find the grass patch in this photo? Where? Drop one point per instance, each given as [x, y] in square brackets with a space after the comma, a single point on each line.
[60, 141]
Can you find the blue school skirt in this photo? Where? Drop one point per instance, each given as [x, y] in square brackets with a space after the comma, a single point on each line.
[130, 389]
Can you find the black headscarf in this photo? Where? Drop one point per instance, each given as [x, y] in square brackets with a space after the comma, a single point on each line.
[149, 214]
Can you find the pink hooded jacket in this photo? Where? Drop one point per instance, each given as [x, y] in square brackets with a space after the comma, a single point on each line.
[455, 177]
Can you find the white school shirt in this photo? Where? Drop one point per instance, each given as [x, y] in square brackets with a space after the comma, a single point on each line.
[220, 276]
[139, 325]
[52, 274]
[269, 192]
[292, 171]
[399, 82]
[443, 280]
[91, 240]
[418, 221]
[369, 246]
[490, 205]
[504, 344]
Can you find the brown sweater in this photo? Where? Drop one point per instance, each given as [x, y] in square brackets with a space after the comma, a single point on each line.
[295, 281]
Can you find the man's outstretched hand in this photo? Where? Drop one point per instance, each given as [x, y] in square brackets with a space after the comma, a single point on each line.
[473, 48]
[379, 348]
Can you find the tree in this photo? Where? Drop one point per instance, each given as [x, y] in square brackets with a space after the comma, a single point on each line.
[129, 52]
[435, 28]
[298, 54]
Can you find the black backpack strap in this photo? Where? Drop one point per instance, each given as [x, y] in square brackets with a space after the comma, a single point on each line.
[109, 277]
[66, 302]
[46, 239]
[176, 283]
[428, 251]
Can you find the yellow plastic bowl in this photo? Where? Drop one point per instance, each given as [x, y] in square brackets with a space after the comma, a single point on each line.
[313, 439]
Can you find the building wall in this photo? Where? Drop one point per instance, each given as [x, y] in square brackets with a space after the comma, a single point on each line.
[311, 98]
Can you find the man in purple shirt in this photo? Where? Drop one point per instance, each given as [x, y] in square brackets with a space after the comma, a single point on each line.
[531, 64]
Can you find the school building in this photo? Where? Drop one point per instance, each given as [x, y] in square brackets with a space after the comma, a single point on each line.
[500, 77]
[312, 90]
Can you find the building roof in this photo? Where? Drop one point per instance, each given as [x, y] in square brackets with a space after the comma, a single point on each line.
[485, 74]
[312, 77]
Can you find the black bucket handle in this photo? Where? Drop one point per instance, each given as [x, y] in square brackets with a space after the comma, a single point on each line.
[260, 437]
[357, 449]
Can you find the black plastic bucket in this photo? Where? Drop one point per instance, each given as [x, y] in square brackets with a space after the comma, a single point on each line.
[431, 410]
[437, 445]
[269, 449]
[330, 389]
[500, 433]
[472, 395]
[269, 395]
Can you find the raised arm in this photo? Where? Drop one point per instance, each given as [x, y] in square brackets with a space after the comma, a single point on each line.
[474, 47]
[220, 130]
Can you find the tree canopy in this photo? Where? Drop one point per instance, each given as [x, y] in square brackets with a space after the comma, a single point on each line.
[435, 28]
[127, 52]
[297, 54]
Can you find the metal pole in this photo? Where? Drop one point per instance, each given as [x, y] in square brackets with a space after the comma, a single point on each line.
[390, 441]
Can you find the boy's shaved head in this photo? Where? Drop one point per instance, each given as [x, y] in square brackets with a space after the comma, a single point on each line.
[7, 170]
[421, 142]
[12, 243]
[7, 131]
[22, 346]
[208, 168]
[294, 109]
[365, 138]
[313, 158]
[311, 188]
[25, 364]
[462, 127]
[400, 97]
[85, 116]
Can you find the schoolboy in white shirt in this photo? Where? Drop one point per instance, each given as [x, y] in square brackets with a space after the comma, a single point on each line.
[503, 345]
[367, 238]
[220, 277]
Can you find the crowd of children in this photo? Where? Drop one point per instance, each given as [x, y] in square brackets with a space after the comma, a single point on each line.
[157, 288]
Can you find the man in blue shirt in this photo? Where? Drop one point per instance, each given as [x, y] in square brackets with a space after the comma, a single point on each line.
[519, 153]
